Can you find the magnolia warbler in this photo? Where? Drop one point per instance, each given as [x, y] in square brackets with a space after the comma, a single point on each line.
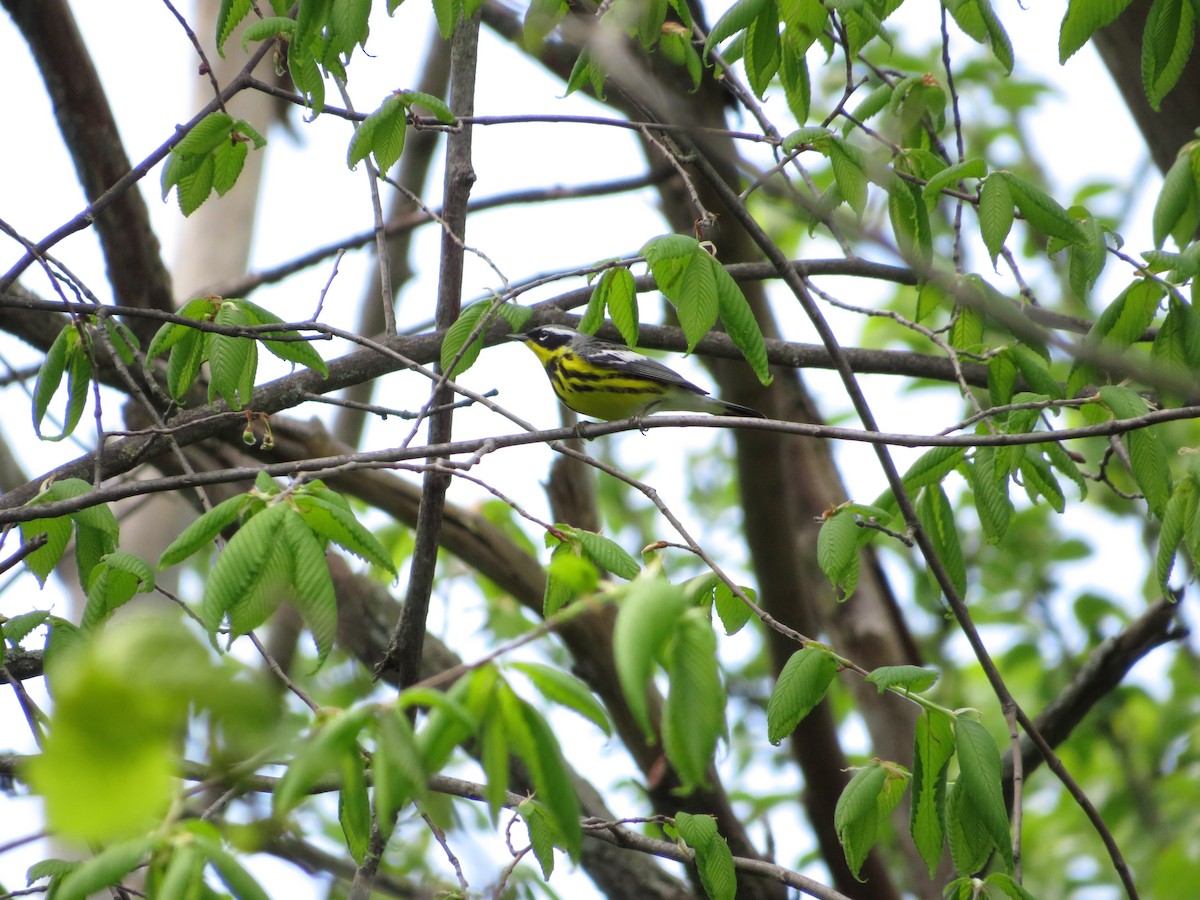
[608, 381]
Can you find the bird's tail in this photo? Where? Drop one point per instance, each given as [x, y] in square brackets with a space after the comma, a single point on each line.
[734, 409]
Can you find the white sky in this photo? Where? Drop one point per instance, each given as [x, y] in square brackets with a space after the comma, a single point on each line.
[149, 68]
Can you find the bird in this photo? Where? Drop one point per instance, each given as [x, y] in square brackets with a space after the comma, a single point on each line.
[607, 381]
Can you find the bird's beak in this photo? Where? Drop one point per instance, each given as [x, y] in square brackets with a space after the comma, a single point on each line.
[516, 337]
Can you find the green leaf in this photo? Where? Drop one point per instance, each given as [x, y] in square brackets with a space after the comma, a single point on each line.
[608, 554]
[1166, 46]
[241, 565]
[105, 869]
[233, 361]
[694, 712]
[18, 627]
[991, 495]
[738, 319]
[932, 751]
[911, 678]
[937, 519]
[1042, 211]
[205, 135]
[50, 374]
[855, 818]
[1177, 193]
[542, 834]
[802, 684]
[267, 28]
[566, 690]
[398, 767]
[1083, 19]
[793, 74]
[203, 530]
[319, 756]
[849, 172]
[979, 782]
[230, 15]
[239, 882]
[541, 18]
[1039, 479]
[354, 805]
[532, 739]
[734, 614]
[228, 161]
[616, 292]
[1036, 372]
[494, 758]
[762, 52]
[837, 551]
[294, 351]
[737, 18]
[714, 860]
[995, 213]
[193, 189]
[1087, 260]
[568, 577]
[333, 520]
[455, 341]
[1147, 455]
[41, 562]
[112, 583]
[910, 220]
[1120, 325]
[646, 619]
[968, 168]
[1180, 510]
[312, 583]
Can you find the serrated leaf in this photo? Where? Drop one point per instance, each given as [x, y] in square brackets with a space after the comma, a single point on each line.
[398, 768]
[837, 551]
[932, 751]
[734, 614]
[205, 135]
[645, 621]
[1039, 479]
[194, 188]
[1177, 192]
[294, 351]
[233, 361]
[314, 597]
[616, 292]
[801, 685]
[762, 54]
[937, 519]
[855, 818]
[320, 755]
[849, 174]
[568, 577]
[455, 341]
[738, 319]
[354, 805]
[1180, 510]
[1147, 455]
[991, 495]
[910, 220]
[230, 15]
[41, 562]
[1036, 372]
[1087, 260]
[737, 18]
[228, 161]
[979, 780]
[240, 565]
[267, 28]
[566, 690]
[694, 711]
[1042, 211]
[911, 678]
[203, 530]
[532, 739]
[18, 627]
[608, 554]
[1166, 46]
[338, 524]
[714, 860]
[968, 168]
[1083, 19]
[104, 869]
[49, 376]
[494, 759]
[793, 75]
[995, 213]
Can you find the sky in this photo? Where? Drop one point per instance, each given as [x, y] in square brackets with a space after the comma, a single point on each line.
[149, 67]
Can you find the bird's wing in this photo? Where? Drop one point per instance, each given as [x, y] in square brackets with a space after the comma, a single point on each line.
[640, 366]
